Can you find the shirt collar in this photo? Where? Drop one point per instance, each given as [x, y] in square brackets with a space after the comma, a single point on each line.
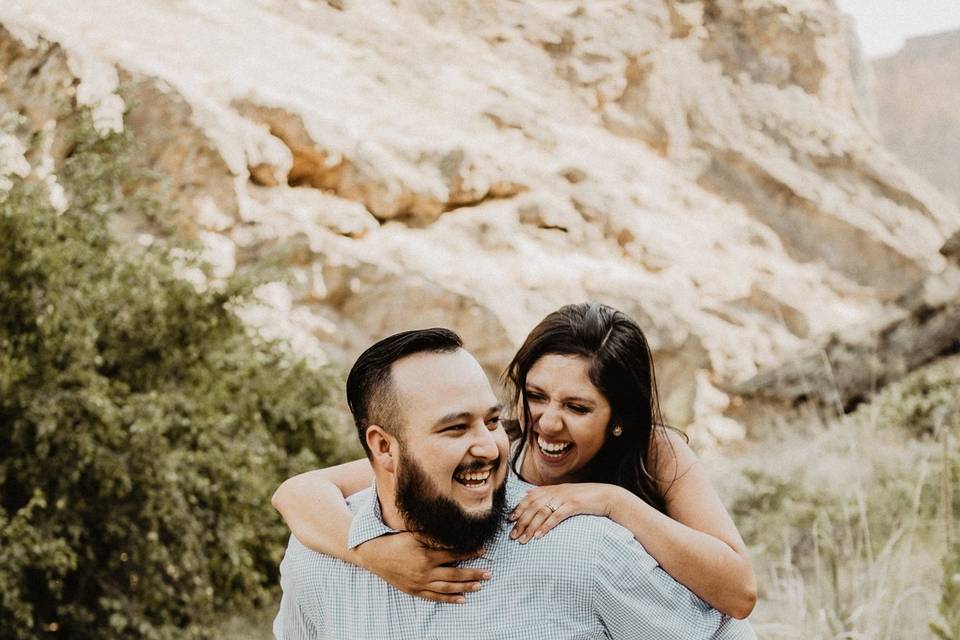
[368, 518]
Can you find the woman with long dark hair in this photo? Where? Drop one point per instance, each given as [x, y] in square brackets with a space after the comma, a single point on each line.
[588, 432]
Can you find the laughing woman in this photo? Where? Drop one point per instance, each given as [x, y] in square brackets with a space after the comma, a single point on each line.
[589, 434]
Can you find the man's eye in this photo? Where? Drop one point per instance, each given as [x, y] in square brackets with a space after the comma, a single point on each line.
[454, 428]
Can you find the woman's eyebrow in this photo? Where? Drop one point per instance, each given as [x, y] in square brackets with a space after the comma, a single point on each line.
[533, 387]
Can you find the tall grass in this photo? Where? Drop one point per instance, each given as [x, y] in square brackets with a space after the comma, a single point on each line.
[848, 522]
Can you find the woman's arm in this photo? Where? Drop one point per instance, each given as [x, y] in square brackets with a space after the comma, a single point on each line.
[312, 504]
[697, 542]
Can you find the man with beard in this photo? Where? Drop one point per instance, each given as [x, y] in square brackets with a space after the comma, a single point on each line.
[430, 425]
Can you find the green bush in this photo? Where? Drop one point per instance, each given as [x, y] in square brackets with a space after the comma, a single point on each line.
[142, 427]
[950, 599]
[922, 400]
[950, 584]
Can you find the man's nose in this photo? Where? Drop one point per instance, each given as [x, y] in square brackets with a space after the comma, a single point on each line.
[484, 445]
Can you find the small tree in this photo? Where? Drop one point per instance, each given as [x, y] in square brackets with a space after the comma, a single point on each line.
[142, 426]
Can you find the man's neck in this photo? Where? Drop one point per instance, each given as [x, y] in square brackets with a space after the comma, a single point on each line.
[388, 507]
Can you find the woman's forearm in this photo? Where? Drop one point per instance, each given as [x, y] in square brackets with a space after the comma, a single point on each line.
[317, 514]
[719, 574]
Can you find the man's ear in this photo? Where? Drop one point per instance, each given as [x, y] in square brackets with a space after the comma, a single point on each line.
[383, 447]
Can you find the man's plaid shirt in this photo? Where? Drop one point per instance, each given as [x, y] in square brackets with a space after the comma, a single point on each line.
[587, 578]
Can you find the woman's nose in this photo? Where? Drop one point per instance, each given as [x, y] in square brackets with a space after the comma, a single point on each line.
[550, 421]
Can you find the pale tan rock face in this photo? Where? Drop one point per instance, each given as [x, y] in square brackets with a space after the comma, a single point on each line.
[918, 100]
[704, 166]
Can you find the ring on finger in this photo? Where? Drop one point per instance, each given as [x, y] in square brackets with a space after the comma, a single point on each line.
[551, 507]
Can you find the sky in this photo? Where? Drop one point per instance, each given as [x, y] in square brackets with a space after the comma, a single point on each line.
[883, 25]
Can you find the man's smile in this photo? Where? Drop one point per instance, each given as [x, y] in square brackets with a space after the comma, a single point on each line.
[474, 479]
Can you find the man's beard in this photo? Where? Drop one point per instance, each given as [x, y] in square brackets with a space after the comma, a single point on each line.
[441, 519]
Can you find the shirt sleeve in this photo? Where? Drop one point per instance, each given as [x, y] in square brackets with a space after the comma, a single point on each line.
[637, 600]
[292, 621]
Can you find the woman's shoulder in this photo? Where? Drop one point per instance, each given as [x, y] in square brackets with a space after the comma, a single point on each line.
[670, 456]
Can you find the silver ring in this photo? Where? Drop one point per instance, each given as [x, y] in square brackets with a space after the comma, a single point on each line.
[551, 507]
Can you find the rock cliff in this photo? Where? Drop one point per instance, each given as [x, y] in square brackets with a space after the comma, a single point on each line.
[706, 166]
[918, 100]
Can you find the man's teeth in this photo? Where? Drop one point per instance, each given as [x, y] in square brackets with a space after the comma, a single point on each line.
[473, 476]
[554, 448]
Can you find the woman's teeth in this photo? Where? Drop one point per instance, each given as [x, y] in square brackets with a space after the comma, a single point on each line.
[553, 449]
[473, 478]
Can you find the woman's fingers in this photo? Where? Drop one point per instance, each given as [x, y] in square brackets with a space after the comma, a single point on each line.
[523, 517]
[452, 598]
[555, 518]
[529, 521]
[460, 575]
[534, 498]
[447, 591]
[440, 586]
[520, 509]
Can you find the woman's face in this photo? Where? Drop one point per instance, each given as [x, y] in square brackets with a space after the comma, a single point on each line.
[568, 419]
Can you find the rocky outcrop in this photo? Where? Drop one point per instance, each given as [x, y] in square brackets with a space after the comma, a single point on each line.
[849, 367]
[706, 166]
[918, 98]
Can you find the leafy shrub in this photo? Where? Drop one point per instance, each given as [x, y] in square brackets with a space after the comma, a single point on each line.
[950, 600]
[922, 400]
[142, 427]
[950, 584]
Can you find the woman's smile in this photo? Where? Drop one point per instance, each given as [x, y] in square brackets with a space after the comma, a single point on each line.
[554, 451]
[568, 418]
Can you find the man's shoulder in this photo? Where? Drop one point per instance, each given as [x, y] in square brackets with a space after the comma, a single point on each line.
[596, 536]
[300, 560]
[595, 543]
[308, 569]
[360, 499]
[599, 534]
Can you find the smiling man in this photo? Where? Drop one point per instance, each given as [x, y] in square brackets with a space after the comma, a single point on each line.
[430, 425]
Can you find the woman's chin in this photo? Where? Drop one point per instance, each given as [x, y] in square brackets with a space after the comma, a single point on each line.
[554, 469]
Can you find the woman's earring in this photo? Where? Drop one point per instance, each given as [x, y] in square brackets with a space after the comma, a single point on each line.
[617, 430]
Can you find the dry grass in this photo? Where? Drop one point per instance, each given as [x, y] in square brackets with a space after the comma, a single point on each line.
[847, 522]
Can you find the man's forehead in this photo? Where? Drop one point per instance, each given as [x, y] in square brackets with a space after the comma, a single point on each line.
[435, 384]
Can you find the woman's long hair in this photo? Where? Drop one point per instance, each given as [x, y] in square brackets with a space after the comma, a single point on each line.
[621, 368]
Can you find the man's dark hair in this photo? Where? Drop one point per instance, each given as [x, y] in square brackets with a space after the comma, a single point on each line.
[370, 393]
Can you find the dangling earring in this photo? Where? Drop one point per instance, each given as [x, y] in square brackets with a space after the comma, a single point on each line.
[617, 430]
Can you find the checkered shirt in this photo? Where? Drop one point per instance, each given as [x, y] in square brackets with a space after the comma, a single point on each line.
[587, 578]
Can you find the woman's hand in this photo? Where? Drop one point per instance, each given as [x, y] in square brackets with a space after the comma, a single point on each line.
[403, 561]
[543, 508]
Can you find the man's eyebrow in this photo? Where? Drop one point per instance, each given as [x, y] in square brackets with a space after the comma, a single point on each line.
[452, 417]
[465, 415]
